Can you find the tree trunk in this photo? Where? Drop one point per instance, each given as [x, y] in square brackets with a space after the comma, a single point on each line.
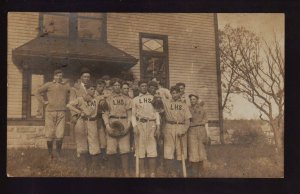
[278, 137]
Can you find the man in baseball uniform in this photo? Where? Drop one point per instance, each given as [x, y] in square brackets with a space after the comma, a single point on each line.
[107, 90]
[163, 92]
[100, 123]
[198, 135]
[119, 107]
[57, 93]
[183, 95]
[146, 126]
[177, 123]
[153, 90]
[86, 126]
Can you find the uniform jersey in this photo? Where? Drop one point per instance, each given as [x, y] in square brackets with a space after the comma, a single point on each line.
[185, 99]
[118, 104]
[176, 111]
[199, 116]
[164, 93]
[107, 91]
[90, 108]
[142, 108]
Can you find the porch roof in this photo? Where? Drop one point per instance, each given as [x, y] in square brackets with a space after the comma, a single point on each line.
[42, 52]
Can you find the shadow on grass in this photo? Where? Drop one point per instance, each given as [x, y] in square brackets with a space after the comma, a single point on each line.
[245, 161]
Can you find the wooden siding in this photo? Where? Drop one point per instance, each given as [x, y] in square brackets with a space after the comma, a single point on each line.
[22, 27]
[191, 38]
[191, 41]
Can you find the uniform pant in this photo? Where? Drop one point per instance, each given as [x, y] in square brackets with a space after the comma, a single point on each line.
[172, 141]
[196, 138]
[102, 133]
[87, 137]
[146, 139]
[54, 125]
[123, 143]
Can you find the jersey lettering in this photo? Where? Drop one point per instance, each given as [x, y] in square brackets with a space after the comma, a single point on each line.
[92, 103]
[176, 107]
[145, 100]
[118, 102]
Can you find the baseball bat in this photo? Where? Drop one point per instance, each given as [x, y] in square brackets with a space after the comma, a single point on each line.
[137, 158]
[182, 157]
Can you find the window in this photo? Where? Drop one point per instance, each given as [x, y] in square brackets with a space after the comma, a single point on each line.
[154, 57]
[56, 24]
[36, 108]
[90, 25]
[73, 25]
[32, 109]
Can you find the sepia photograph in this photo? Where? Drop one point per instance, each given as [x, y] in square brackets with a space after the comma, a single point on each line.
[145, 95]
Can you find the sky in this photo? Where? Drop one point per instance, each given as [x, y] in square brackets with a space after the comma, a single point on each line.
[264, 25]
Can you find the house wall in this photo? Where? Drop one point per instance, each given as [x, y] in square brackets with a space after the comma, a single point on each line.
[192, 50]
[192, 60]
[191, 42]
[22, 27]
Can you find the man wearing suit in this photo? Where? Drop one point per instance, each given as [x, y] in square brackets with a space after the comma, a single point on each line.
[79, 90]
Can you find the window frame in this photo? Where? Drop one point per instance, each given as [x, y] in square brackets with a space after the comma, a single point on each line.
[73, 22]
[26, 92]
[164, 54]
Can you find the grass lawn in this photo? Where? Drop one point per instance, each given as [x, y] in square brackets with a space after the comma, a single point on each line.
[245, 161]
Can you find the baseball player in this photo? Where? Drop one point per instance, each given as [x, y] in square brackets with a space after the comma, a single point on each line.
[126, 90]
[163, 92]
[183, 95]
[198, 135]
[152, 89]
[86, 126]
[100, 123]
[146, 126]
[107, 90]
[57, 93]
[119, 107]
[177, 123]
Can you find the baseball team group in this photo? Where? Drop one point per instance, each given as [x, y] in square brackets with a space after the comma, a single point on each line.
[116, 123]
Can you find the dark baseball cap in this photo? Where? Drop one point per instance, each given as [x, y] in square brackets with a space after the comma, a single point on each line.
[105, 77]
[194, 96]
[85, 70]
[57, 71]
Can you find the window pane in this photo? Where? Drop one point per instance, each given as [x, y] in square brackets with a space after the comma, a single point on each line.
[89, 28]
[56, 25]
[150, 44]
[36, 107]
[154, 66]
[91, 15]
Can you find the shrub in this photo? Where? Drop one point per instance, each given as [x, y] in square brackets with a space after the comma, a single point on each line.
[246, 132]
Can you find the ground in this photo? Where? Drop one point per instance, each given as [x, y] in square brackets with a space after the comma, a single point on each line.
[255, 161]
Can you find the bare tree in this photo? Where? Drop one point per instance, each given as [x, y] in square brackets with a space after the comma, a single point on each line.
[256, 70]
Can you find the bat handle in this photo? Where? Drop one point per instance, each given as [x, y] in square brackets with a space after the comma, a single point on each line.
[182, 158]
[137, 158]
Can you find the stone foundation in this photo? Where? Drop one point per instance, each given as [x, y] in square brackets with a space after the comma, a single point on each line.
[31, 137]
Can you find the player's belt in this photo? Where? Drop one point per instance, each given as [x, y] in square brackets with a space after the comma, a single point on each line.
[90, 119]
[198, 125]
[144, 120]
[116, 117]
[174, 122]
